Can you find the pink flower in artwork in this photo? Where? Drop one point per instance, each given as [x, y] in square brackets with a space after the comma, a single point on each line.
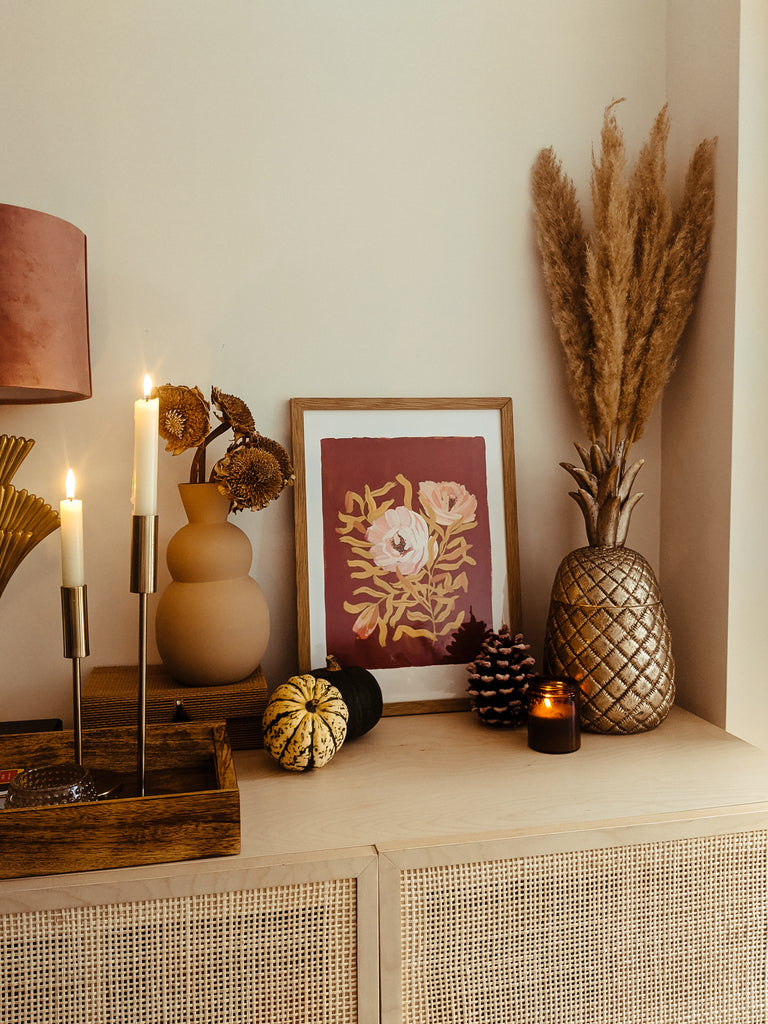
[399, 541]
[366, 622]
[448, 501]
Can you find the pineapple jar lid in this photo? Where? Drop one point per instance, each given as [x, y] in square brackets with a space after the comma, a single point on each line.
[619, 577]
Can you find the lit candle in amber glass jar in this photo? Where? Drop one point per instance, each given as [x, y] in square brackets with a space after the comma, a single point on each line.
[553, 716]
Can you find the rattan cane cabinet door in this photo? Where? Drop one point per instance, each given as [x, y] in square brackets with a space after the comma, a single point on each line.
[287, 953]
[653, 931]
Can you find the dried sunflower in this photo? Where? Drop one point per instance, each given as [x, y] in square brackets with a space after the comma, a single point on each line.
[253, 471]
[234, 412]
[282, 456]
[184, 416]
[250, 476]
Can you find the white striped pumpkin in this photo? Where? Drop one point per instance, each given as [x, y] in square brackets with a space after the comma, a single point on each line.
[305, 723]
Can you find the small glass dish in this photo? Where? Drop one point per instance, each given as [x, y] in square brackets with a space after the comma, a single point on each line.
[51, 786]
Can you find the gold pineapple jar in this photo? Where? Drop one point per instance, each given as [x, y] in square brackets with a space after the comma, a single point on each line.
[607, 628]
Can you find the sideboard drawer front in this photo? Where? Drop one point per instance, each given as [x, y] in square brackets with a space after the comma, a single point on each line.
[284, 953]
[643, 934]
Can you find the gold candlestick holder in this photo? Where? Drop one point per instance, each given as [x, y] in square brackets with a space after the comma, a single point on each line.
[74, 619]
[143, 583]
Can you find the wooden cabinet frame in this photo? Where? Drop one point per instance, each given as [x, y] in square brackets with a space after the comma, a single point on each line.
[634, 922]
[435, 871]
[223, 944]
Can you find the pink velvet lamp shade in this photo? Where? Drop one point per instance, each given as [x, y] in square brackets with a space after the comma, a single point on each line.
[44, 342]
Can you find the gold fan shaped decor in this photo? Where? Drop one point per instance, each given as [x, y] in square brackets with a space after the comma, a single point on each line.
[44, 353]
[620, 298]
[24, 519]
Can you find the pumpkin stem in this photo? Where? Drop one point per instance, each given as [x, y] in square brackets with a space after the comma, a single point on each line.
[331, 664]
[312, 705]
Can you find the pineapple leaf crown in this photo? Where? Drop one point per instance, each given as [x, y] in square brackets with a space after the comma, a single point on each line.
[604, 492]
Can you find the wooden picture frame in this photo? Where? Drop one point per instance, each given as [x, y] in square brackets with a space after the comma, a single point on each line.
[410, 597]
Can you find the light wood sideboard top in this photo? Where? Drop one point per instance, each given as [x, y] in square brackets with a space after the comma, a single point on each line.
[428, 780]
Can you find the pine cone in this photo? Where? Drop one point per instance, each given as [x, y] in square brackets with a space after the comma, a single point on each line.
[499, 678]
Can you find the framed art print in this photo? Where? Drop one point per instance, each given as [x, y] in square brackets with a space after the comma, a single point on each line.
[406, 539]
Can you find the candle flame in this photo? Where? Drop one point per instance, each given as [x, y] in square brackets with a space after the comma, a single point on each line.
[70, 484]
[147, 385]
[547, 702]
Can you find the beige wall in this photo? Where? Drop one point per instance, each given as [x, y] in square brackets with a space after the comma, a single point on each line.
[703, 79]
[319, 197]
[747, 703]
[714, 551]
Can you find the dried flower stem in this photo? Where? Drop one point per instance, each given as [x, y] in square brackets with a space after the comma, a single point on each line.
[197, 469]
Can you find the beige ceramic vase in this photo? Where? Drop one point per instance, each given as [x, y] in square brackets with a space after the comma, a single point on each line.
[212, 621]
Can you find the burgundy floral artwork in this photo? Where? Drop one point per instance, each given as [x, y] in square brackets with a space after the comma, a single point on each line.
[406, 548]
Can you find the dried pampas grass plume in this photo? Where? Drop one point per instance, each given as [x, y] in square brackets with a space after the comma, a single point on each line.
[622, 296]
[562, 243]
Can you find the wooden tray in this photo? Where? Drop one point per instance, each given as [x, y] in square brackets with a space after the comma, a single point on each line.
[191, 806]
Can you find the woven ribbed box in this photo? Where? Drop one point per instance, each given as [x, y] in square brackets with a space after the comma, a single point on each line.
[110, 696]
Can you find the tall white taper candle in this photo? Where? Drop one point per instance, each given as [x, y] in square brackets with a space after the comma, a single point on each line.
[145, 417]
[72, 550]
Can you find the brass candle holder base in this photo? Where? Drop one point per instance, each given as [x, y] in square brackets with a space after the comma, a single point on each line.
[74, 618]
[143, 582]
